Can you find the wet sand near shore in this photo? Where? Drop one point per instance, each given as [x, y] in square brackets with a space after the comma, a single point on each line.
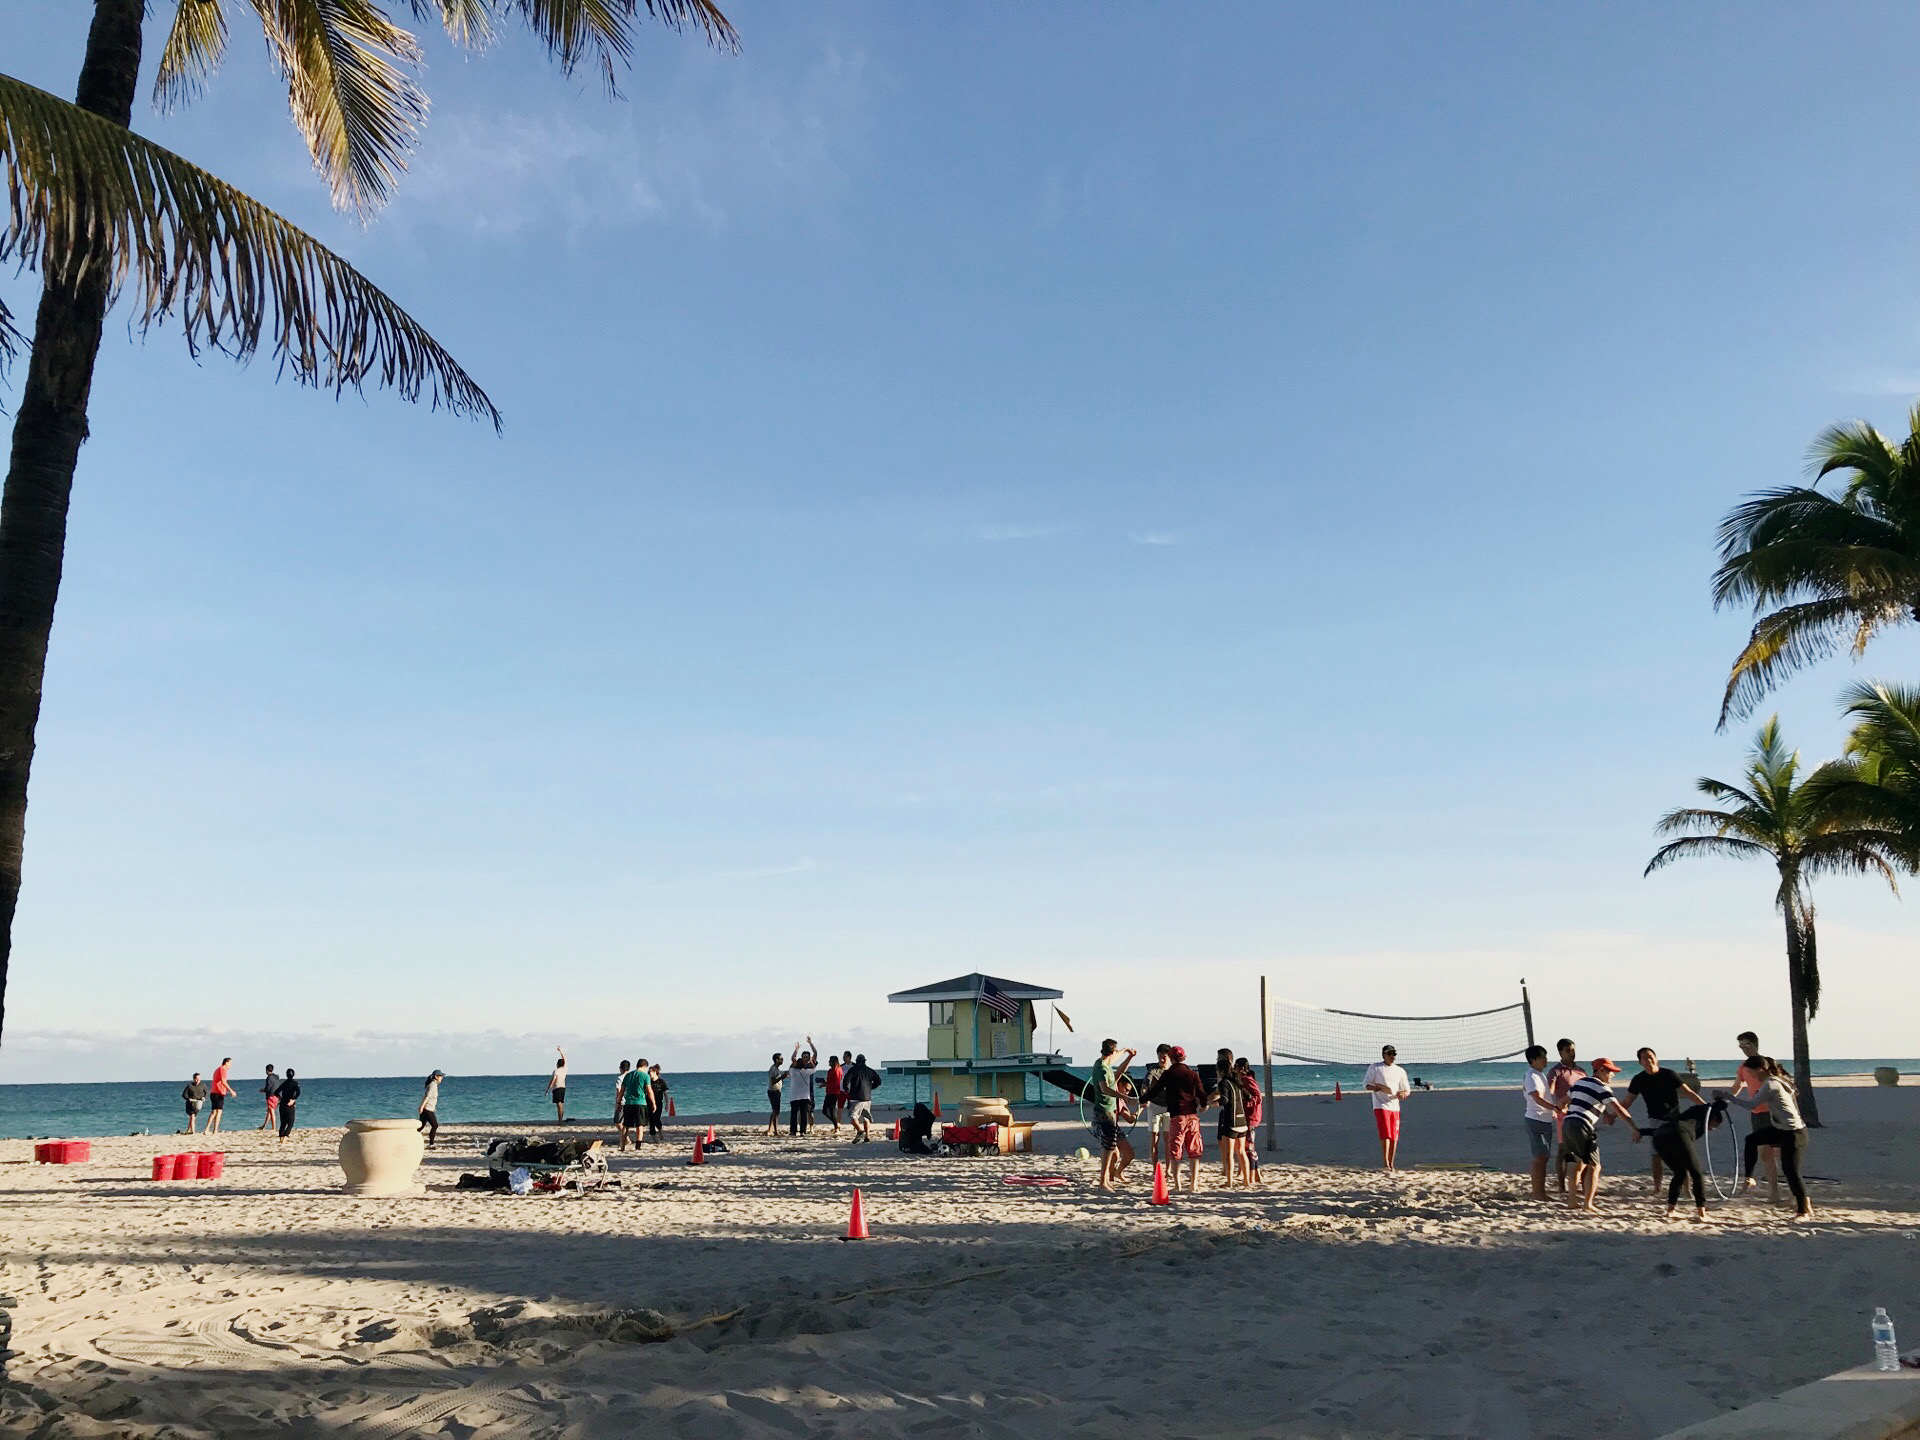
[1333, 1302]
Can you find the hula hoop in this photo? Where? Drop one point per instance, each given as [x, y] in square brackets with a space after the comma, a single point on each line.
[1706, 1152]
[1038, 1182]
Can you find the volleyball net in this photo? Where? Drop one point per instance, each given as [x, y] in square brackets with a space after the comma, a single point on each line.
[1323, 1036]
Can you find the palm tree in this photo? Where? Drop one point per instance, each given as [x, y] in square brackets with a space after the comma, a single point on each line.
[1778, 817]
[1878, 780]
[1834, 569]
[100, 212]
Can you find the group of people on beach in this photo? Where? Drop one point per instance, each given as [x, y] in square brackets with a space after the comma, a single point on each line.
[1566, 1103]
[1170, 1099]
[281, 1092]
[846, 1083]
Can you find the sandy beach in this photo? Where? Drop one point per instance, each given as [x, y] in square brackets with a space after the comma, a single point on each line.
[1334, 1302]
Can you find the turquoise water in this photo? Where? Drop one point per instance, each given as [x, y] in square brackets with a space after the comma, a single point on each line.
[153, 1106]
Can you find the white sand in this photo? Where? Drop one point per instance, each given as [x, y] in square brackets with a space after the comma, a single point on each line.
[1334, 1303]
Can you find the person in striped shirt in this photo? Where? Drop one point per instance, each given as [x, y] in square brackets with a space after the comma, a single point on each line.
[1589, 1101]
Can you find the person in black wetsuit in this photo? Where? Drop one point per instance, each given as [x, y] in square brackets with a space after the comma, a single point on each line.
[289, 1093]
[1672, 1128]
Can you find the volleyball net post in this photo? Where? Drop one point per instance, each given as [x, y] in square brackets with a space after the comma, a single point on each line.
[1322, 1035]
[1266, 1059]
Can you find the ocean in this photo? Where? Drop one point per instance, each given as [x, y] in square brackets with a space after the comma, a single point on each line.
[153, 1106]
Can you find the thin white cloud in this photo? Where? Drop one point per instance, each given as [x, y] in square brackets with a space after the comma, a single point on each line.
[709, 151]
[1155, 537]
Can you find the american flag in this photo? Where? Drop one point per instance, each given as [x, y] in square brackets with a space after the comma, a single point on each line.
[998, 1001]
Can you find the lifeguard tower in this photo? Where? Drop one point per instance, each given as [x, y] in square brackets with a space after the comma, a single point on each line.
[979, 1039]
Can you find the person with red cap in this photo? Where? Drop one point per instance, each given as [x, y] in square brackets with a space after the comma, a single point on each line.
[1181, 1090]
[1590, 1100]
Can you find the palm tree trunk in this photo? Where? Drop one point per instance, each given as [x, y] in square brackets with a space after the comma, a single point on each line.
[1797, 988]
[47, 434]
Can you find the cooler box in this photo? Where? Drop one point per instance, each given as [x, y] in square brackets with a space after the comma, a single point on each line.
[210, 1164]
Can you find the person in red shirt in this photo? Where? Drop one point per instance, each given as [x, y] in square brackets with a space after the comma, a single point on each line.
[836, 1090]
[1180, 1089]
[1560, 1078]
[217, 1094]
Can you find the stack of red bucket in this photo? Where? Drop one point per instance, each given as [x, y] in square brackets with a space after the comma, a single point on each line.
[201, 1165]
[63, 1152]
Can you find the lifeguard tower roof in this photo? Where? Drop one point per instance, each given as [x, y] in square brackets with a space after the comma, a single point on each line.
[973, 987]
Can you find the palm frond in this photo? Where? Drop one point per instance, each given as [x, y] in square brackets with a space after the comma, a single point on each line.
[348, 84]
[196, 43]
[83, 192]
[602, 30]
[1851, 852]
[1783, 641]
[12, 342]
[1720, 845]
[468, 23]
[1856, 446]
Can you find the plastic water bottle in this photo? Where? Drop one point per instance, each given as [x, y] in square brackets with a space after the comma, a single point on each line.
[1886, 1350]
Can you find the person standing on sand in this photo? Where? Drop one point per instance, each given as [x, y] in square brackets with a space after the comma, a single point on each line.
[1105, 1090]
[1588, 1103]
[195, 1095]
[1181, 1090]
[1231, 1132]
[1750, 1080]
[620, 1089]
[1542, 1111]
[270, 1088]
[800, 1091]
[557, 1087]
[1672, 1132]
[288, 1095]
[860, 1081]
[1155, 1115]
[217, 1094]
[429, 1106]
[776, 1080]
[836, 1090]
[1785, 1128]
[633, 1104]
[656, 1104]
[1388, 1084]
[1256, 1107]
[1560, 1078]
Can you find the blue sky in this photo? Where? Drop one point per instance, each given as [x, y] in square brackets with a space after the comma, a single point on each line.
[1123, 500]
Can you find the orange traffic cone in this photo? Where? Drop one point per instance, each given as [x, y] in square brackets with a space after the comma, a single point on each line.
[936, 1105]
[671, 1112]
[709, 1134]
[699, 1151]
[1160, 1196]
[1336, 1091]
[857, 1220]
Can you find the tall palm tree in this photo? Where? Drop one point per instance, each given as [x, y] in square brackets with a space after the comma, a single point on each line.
[1822, 570]
[1778, 817]
[100, 212]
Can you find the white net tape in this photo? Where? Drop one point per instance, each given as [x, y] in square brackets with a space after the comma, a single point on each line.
[1348, 1037]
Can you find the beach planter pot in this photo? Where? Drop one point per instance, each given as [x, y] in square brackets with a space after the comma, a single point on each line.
[380, 1156]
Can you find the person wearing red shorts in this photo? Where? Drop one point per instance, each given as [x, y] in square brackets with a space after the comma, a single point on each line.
[1388, 1082]
[1180, 1089]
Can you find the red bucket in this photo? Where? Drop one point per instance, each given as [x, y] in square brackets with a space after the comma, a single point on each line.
[71, 1152]
[163, 1166]
[181, 1168]
[210, 1164]
[40, 1156]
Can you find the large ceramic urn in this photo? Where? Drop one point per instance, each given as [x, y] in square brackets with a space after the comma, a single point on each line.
[380, 1156]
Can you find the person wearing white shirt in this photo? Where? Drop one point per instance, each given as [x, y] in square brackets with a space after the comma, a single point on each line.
[1541, 1108]
[1388, 1084]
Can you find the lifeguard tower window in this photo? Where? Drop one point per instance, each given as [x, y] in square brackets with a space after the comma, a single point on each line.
[940, 1012]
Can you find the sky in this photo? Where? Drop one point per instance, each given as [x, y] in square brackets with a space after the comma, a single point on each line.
[1125, 500]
